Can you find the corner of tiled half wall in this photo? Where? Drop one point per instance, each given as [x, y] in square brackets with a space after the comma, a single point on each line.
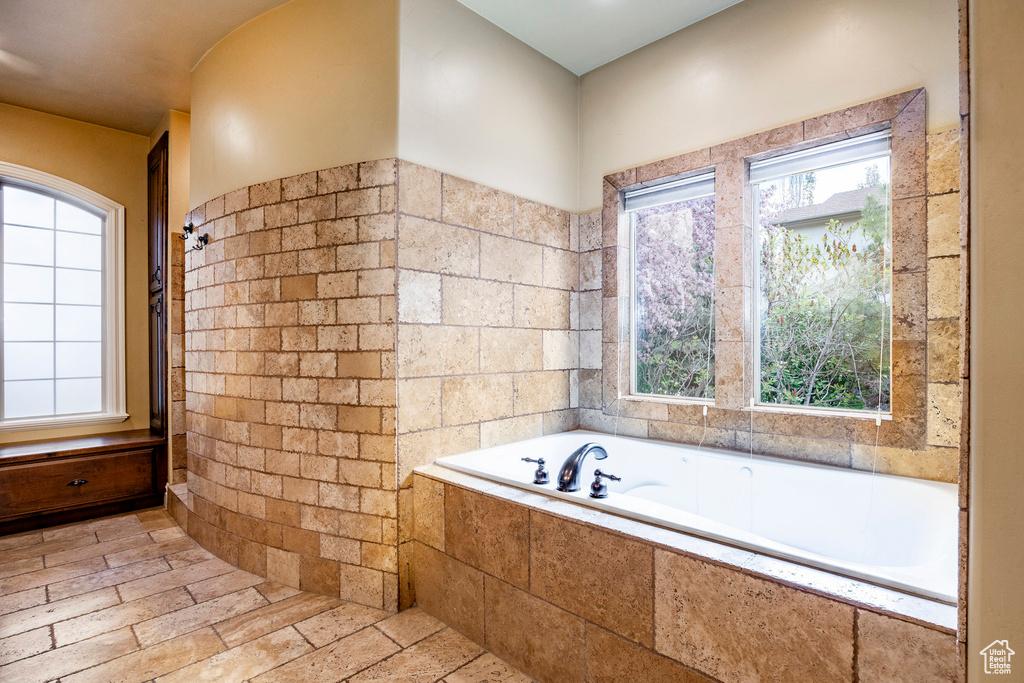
[333, 343]
[488, 324]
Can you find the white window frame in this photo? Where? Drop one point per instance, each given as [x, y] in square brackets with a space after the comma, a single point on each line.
[827, 155]
[663, 191]
[114, 392]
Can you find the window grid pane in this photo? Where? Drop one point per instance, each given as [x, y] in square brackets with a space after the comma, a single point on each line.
[673, 307]
[824, 287]
[52, 354]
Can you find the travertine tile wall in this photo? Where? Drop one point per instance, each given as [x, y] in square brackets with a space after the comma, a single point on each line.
[923, 441]
[176, 433]
[347, 325]
[290, 381]
[565, 600]
[487, 322]
[293, 376]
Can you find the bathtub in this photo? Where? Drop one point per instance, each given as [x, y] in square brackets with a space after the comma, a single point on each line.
[892, 531]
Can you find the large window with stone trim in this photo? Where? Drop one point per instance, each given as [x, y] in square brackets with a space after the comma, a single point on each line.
[823, 275]
[62, 360]
[672, 226]
[830, 267]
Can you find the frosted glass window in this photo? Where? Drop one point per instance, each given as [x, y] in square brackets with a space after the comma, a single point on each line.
[74, 219]
[53, 283]
[75, 250]
[78, 359]
[28, 322]
[28, 284]
[79, 396]
[79, 287]
[79, 323]
[25, 207]
[28, 360]
[28, 399]
[28, 245]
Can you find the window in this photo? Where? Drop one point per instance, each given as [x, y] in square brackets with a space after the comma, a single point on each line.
[673, 275]
[824, 300]
[62, 326]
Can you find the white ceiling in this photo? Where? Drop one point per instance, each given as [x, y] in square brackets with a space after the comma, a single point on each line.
[581, 35]
[118, 63]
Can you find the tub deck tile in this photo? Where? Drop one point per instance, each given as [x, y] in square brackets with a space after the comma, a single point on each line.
[450, 590]
[611, 659]
[602, 577]
[539, 638]
[488, 533]
[924, 611]
[740, 628]
[890, 649]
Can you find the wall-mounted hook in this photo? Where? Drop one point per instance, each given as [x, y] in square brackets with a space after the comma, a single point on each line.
[201, 242]
[188, 230]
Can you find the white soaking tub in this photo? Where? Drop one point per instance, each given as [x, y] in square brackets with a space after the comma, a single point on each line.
[892, 531]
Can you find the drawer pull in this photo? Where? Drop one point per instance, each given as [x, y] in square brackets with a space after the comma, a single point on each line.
[78, 482]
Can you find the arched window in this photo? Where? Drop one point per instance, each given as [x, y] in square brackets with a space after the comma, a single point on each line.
[61, 287]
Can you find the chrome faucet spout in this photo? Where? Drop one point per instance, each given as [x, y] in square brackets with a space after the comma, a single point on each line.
[569, 475]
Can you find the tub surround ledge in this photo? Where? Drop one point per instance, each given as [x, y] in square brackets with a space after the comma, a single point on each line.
[596, 580]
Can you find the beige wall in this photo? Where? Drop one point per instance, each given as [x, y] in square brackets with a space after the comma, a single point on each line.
[179, 140]
[309, 85]
[996, 570]
[112, 163]
[757, 65]
[477, 103]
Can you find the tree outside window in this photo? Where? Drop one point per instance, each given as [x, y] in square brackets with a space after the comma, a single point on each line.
[825, 287]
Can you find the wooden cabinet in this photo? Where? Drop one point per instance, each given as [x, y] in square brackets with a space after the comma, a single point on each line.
[54, 482]
[158, 168]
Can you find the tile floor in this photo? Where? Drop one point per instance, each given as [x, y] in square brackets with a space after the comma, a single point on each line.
[131, 598]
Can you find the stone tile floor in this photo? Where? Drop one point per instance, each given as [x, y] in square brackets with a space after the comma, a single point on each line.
[131, 598]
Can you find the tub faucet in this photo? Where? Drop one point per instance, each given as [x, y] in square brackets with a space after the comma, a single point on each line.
[569, 475]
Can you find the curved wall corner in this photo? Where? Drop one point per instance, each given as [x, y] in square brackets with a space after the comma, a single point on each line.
[311, 84]
[289, 372]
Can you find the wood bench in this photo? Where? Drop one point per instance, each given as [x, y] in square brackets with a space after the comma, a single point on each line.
[44, 483]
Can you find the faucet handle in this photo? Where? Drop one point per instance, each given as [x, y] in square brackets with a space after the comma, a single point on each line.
[541, 475]
[599, 489]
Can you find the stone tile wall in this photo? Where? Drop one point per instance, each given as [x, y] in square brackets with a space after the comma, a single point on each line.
[176, 366]
[347, 325]
[568, 600]
[290, 378]
[487, 322]
[923, 438]
[293, 376]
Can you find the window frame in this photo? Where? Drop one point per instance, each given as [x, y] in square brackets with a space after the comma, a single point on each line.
[681, 181]
[755, 313]
[114, 376]
[815, 434]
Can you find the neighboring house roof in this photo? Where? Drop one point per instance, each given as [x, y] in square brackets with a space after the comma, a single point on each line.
[849, 202]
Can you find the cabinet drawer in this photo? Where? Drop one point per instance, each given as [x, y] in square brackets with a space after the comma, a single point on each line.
[43, 486]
